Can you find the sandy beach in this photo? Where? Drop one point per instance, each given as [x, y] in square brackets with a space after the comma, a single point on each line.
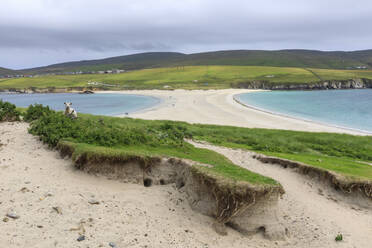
[35, 181]
[55, 204]
[219, 107]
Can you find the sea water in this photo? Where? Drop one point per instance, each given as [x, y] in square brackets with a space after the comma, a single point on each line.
[344, 108]
[98, 104]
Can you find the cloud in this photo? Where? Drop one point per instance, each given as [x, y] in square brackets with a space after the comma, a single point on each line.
[41, 32]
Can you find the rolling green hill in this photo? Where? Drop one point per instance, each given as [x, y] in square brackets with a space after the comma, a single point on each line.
[188, 77]
[128, 62]
[5, 71]
[283, 58]
[280, 58]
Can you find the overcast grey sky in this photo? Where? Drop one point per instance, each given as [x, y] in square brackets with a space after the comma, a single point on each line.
[41, 32]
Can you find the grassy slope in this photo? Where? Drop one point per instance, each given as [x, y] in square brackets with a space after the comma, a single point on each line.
[345, 154]
[100, 136]
[207, 77]
[342, 165]
[221, 164]
[326, 74]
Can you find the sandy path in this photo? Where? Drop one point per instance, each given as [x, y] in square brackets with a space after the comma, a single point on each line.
[218, 107]
[129, 215]
[313, 219]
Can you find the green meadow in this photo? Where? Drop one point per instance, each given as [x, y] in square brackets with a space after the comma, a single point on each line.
[187, 77]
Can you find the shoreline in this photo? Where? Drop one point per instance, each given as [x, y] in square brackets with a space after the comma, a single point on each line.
[159, 101]
[235, 97]
[218, 107]
[222, 107]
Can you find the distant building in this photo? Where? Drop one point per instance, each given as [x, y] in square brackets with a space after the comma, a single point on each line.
[361, 67]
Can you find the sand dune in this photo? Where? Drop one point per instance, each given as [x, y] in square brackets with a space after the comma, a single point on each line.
[128, 215]
[35, 182]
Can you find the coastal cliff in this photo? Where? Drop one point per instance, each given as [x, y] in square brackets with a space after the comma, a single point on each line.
[324, 85]
[362, 83]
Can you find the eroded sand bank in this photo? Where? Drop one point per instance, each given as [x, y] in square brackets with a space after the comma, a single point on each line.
[129, 215]
[35, 179]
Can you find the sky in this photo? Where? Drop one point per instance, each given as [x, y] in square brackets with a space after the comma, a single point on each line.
[41, 32]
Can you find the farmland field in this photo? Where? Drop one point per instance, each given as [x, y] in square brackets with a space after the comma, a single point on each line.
[187, 77]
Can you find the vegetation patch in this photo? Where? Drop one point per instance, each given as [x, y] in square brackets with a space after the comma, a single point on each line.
[8, 112]
[118, 138]
[339, 237]
[343, 154]
[34, 112]
[346, 155]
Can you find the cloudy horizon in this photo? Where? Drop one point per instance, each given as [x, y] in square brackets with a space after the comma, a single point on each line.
[42, 32]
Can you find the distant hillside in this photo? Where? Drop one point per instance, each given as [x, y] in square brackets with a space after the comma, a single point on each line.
[200, 77]
[128, 62]
[280, 58]
[4, 71]
[283, 58]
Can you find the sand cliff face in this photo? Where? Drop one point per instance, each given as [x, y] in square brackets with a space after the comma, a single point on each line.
[244, 207]
[325, 85]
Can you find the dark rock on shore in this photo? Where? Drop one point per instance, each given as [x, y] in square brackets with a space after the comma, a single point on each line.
[87, 92]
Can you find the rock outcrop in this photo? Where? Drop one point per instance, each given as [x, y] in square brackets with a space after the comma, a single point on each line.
[325, 85]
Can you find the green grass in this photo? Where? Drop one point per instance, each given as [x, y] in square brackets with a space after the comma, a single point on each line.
[344, 166]
[222, 165]
[344, 154]
[340, 153]
[122, 137]
[326, 74]
[188, 77]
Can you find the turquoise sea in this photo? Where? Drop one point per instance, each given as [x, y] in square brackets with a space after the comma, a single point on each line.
[98, 104]
[343, 108]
